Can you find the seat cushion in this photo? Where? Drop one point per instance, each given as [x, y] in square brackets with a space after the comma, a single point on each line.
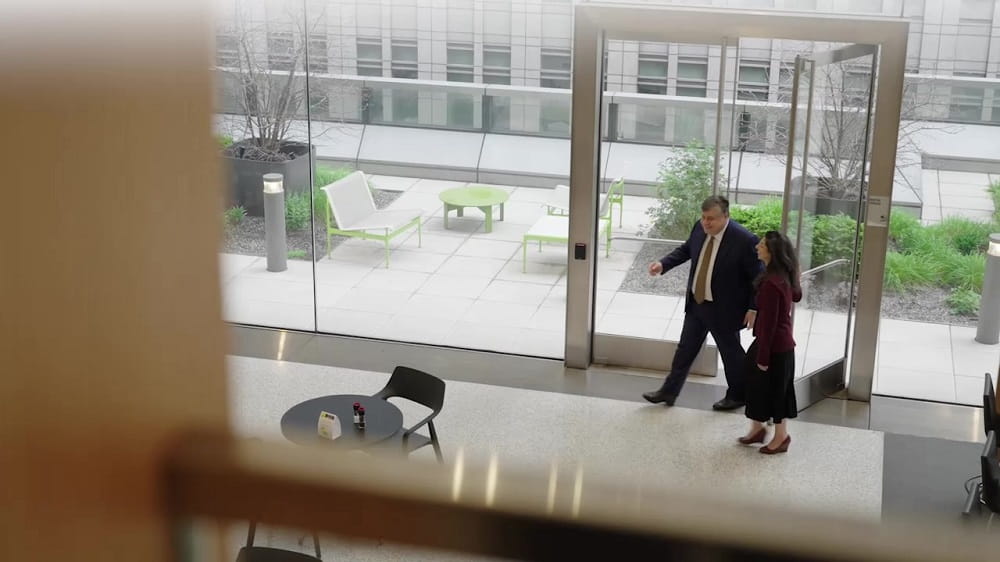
[391, 219]
[550, 227]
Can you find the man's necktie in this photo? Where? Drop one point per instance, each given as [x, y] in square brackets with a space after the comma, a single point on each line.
[701, 283]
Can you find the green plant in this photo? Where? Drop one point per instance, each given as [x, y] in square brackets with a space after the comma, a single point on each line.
[683, 183]
[964, 302]
[964, 235]
[905, 230]
[759, 218]
[994, 190]
[963, 271]
[234, 215]
[907, 270]
[833, 239]
[297, 211]
[224, 141]
[297, 254]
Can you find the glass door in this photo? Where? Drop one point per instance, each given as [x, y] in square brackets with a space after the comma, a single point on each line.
[825, 186]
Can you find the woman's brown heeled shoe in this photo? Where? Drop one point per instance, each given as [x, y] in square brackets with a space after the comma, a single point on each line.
[780, 449]
[755, 438]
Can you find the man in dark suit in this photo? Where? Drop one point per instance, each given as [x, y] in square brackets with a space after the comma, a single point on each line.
[719, 299]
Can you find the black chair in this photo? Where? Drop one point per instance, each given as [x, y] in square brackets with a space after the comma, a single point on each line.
[991, 418]
[424, 389]
[251, 553]
[990, 464]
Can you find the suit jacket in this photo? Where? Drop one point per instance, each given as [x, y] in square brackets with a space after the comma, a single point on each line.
[736, 267]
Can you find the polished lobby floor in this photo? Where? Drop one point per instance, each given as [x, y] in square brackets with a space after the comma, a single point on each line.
[872, 461]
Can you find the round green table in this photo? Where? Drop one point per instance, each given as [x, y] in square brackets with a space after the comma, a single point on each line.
[479, 196]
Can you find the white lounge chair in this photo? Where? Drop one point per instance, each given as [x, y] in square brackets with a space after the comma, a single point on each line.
[555, 227]
[354, 214]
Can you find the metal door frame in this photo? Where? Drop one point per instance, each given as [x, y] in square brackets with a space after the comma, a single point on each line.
[596, 22]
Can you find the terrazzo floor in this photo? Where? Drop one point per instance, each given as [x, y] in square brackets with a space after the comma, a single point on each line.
[829, 469]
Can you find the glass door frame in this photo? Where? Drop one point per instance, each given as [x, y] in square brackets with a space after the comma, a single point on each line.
[829, 377]
[594, 23]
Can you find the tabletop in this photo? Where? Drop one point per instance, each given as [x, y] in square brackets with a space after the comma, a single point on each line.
[382, 420]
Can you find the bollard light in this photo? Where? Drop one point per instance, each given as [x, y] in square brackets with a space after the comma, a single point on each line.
[274, 222]
[988, 329]
[274, 183]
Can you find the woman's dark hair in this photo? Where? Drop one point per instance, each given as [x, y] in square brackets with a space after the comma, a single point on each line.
[783, 263]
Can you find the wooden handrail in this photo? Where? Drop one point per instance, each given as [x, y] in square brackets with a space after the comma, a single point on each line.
[464, 508]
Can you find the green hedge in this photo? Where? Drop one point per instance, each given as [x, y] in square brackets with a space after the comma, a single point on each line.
[950, 254]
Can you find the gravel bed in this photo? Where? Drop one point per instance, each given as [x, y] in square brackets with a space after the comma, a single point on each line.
[247, 238]
[920, 305]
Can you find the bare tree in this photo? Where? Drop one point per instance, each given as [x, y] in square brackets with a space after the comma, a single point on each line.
[839, 128]
[267, 80]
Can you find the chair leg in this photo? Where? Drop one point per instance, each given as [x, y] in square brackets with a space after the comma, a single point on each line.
[251, 531]
[328, 240]
[621, 214]
[420, 237]
[524, 256]
[437, 451]
[316, 546]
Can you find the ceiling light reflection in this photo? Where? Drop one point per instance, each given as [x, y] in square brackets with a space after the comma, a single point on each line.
[491, 480]
[458, 475]
[553, 482]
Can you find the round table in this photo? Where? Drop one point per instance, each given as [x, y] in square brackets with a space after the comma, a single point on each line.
[382, 420]
[479, 196]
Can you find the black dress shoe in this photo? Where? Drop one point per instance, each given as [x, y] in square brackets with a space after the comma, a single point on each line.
[728, 404]
[659, 396]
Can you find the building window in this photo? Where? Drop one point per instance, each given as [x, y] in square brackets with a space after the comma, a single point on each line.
[692, 77]
[369, 57]
[460, 63]
[404, 59]
[319, 58]
[652, 77]
[555, 68]
[857, 83]
[280, 50]
[496, 64]
[227, 53]
[754, 78]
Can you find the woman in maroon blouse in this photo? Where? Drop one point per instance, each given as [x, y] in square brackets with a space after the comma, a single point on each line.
[771, 358]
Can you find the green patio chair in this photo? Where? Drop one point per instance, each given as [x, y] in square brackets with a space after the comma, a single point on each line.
[351, 212]
[555, 228]
[616, 196]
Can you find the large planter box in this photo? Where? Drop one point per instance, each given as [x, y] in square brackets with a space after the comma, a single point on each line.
[246, 176]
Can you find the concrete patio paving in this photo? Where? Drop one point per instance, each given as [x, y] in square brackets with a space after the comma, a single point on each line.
[465, 288]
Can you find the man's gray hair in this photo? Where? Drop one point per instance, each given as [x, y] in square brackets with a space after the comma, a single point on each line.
[716, 201]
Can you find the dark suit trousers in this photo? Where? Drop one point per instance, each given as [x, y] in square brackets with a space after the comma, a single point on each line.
[698, 323]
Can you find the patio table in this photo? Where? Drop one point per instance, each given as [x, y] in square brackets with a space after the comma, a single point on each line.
[480, 196]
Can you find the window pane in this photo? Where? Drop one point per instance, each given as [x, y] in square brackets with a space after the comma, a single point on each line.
[493, 57]
[754, 74]
[460, 55]
[693, 71]
[691, 91]
[652, 68]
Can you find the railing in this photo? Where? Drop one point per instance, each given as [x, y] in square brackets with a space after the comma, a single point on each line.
[630, 117]
[825, 266]
[526, 516]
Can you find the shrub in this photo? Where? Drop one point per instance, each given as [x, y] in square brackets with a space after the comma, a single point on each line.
[833, 239]
[764, 216]
[994, 190]
[964, 235]
[297, 254]
[683, 183]
[905, 230]
[961, 271]
[297, 211]
[235, 215]
[907, 270]
[224, 141]
[964, 302]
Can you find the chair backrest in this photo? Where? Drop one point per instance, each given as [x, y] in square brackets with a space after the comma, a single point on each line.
[991, 418]
[350, 199]
[990, 465]
[418, 386]
[617, 187]
[605, 210]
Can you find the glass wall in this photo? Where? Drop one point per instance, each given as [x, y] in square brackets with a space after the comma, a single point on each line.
[424, 99]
